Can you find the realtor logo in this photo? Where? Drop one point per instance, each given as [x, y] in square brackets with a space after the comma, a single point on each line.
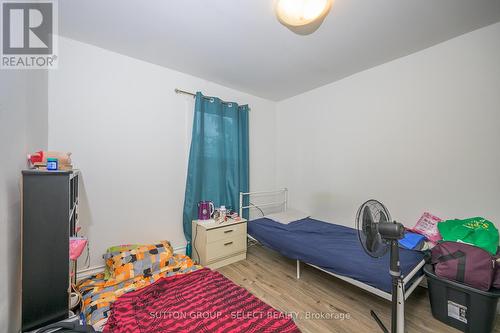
[29, 36]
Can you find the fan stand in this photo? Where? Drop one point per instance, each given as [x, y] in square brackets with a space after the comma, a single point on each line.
[395, 271]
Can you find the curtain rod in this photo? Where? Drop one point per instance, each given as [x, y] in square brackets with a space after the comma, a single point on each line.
[179, 91]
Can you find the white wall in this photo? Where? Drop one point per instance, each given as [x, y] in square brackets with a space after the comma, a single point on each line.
[23, 129]
[420, 133]
[129, 134]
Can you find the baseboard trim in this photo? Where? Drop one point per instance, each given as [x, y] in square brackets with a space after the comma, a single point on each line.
[88, 272]
[180, 249]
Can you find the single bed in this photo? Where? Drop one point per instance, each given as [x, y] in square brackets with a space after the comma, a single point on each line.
[334, 249]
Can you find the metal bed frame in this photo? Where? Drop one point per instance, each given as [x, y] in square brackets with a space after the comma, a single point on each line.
[408, 280]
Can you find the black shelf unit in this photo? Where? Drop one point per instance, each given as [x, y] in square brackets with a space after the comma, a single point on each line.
[49, 218]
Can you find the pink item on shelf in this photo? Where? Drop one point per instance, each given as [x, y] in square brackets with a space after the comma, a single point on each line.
[427, 226]
[76, 247]
[36, 157]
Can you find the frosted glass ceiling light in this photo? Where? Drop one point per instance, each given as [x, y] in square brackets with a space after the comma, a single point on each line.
[302, 16]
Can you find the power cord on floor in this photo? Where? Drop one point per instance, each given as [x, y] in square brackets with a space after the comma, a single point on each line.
[76, 293]
[194, 245]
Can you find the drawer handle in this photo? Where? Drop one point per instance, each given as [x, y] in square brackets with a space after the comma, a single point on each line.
[228, 231]
[229, 243]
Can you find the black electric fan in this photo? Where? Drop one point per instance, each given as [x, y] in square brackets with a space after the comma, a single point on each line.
[377, 235]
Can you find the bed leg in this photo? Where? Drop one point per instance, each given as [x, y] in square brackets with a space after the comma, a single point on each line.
[298, 269]
[401, 308]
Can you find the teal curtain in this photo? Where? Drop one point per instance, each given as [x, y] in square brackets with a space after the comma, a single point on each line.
[218, 158]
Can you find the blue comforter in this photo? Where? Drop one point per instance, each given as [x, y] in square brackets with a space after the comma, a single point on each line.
[333, 247]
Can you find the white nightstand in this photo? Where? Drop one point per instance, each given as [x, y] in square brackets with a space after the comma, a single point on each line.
[219, 244]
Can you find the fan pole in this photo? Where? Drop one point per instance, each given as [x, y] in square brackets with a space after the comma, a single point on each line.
[395, 272]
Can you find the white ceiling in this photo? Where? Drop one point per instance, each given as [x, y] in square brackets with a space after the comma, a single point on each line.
[240, 44]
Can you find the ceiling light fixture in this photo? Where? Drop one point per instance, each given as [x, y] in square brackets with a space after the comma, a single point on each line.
[302, 16]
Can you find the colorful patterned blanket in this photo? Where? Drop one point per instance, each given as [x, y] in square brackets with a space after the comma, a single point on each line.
[99, 294]
[202, 301]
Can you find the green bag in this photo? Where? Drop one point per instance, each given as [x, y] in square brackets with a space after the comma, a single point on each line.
[475, 231]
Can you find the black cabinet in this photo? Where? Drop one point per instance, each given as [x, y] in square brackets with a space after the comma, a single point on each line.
[50, 215]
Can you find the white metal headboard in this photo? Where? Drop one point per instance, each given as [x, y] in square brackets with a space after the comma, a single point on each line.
[283, 203]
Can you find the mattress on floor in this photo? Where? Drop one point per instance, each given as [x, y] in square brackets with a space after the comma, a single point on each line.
[99, 293]
[201, 301]
[332, 247]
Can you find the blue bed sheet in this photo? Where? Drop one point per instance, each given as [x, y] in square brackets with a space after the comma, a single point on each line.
[332, 247]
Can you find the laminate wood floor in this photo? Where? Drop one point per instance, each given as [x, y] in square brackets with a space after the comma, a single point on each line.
[321, 302]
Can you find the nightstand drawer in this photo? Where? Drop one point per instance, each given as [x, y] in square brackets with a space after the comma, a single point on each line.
[231, 231]
[226, 247]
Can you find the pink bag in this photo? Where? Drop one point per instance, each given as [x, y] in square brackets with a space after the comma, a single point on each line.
[427, 226]
[76, 246]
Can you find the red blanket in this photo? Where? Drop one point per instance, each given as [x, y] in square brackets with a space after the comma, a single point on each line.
[201, 301]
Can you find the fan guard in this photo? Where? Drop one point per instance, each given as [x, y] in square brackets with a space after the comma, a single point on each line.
[369, 215]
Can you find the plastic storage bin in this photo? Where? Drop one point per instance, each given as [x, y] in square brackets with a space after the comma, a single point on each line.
[460, 306]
